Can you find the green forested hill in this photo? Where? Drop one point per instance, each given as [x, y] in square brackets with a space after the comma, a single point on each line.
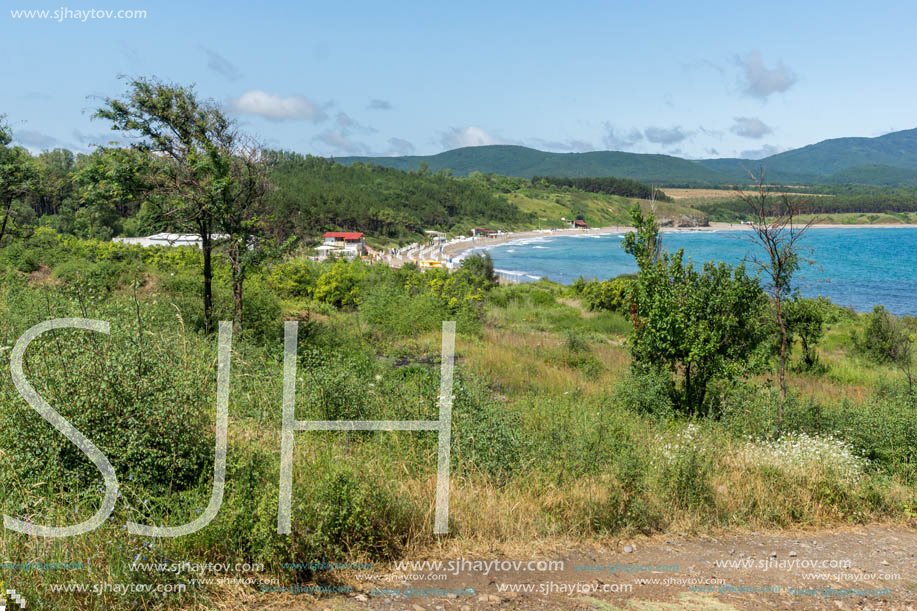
[880, 175]
[524, 162]
[875, 159]
[314, 194]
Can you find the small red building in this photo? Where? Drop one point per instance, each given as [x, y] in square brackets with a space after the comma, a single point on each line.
[348, 243]
[580, 224]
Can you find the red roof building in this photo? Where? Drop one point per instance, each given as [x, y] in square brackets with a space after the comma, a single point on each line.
[345, 243]
[347, 236]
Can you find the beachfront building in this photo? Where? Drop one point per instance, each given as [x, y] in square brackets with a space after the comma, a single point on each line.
[580, 224]
[483, 232]
[170, 239]
[436, 237]
[347, 244]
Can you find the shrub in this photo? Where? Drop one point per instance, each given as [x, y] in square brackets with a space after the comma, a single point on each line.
[481, 266]
[340, 282]
[295, 278]
[647, 390]
[141, 403]
[887, 339]
[486, 437]
[611, 295]
[396, 314]
[347, 514]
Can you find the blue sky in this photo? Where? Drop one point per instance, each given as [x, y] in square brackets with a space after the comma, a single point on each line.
[702, 79]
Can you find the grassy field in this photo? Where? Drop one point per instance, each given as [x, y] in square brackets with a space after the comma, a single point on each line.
[599, 210]
[698, 194]
[554, 441]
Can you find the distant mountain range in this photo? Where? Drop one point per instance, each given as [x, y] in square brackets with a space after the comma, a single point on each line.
[889, 160]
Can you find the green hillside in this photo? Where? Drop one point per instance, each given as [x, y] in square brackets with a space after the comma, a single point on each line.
[548, 205]
[880, 175]
[809, 164]
[874, 161]
[897, 149]
[736, 171]
[523, 162]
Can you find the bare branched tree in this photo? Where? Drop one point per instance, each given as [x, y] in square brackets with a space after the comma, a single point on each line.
[776, 227]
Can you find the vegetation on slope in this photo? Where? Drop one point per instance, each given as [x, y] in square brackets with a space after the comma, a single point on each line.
[314, 195]
[822, 162]
[608, 185]
[554, 435]
[871, 204]
[519, 161]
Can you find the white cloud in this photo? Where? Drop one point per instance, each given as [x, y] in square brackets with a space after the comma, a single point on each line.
[221, 65]
[564, 146]
[34, 140]
[618, 139]
[377, 104]
[760, 81]
[101, 139]
[337, 143]
[760, 153]
[666, 135]
[348, 124]
[713, 133]
[275, 108]
[750, 127]
[399, 146]
[467, 136]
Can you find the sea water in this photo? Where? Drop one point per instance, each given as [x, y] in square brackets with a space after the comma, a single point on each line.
[855, 267]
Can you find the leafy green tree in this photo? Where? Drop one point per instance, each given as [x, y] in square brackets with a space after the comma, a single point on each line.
[17, 175]
[112, 183]
[700, 326]
[53, 192]
[805, 319]
[209, 174]
[241, 218]
[482, 266]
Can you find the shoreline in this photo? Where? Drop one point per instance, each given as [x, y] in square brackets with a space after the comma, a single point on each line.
[455, 249]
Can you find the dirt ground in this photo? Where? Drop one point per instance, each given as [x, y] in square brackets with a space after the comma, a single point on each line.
[869, 567]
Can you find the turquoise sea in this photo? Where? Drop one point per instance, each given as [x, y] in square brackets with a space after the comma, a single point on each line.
[856, 267]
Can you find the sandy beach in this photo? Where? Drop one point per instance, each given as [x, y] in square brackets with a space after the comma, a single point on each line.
[456, 248]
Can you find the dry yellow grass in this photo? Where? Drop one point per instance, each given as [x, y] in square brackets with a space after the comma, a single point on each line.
[711, 194]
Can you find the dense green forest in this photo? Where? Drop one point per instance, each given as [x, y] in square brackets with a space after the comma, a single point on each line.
[880, 175]
[314, 194]
[608, 185]
[311, 195]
